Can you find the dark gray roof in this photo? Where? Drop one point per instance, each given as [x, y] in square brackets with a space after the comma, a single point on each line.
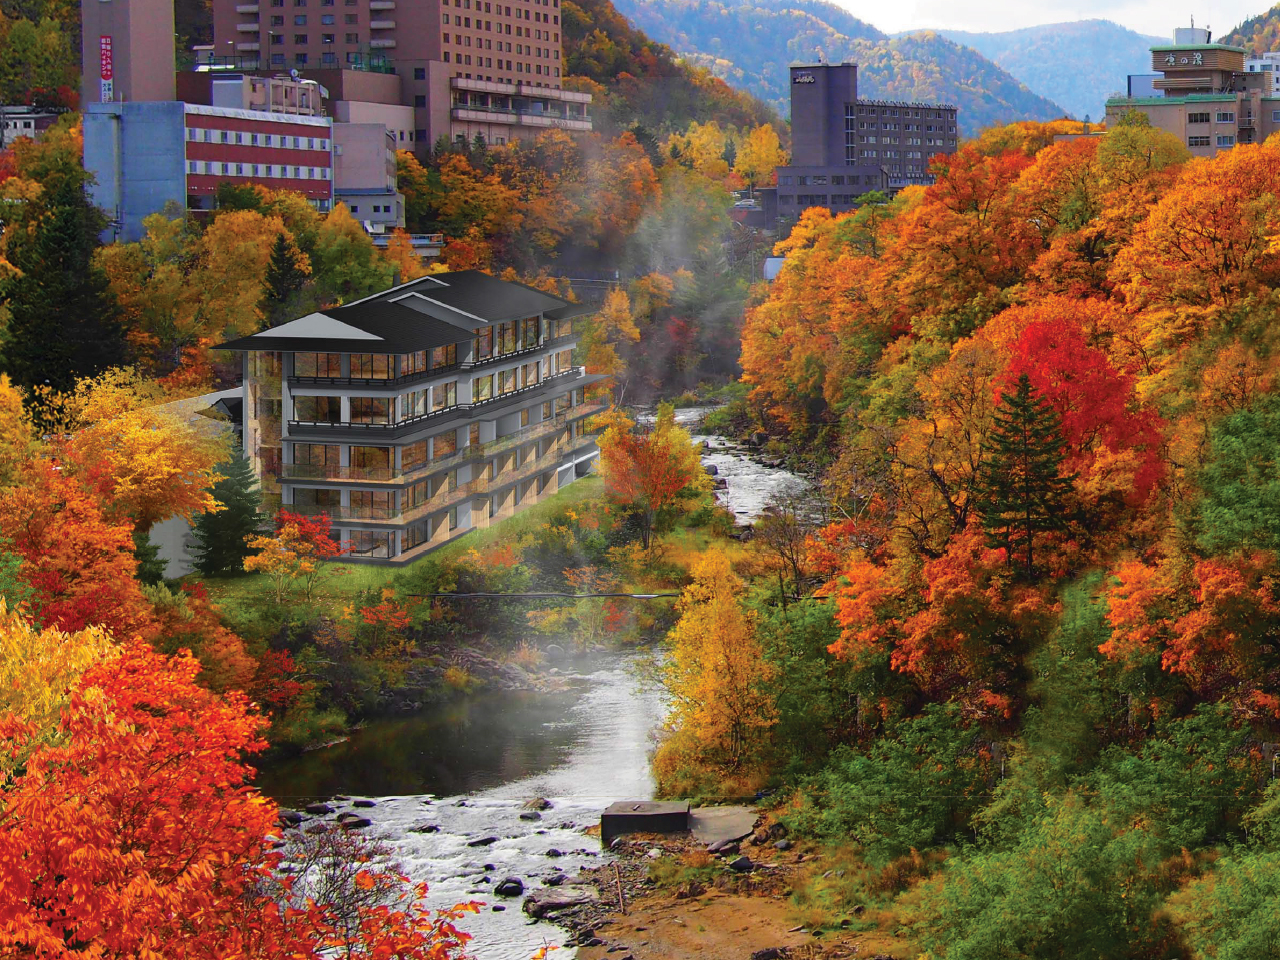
[433, 311]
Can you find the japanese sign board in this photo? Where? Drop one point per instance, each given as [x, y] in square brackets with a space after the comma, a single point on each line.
[106, 69]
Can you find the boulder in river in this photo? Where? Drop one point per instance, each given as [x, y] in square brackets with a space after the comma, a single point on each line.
[530, 815]
[553, 852]
[318, 809]
[483, 842]
[555, 880]
[363, 803]
[291, 818]
[553, 651]
[356, 823]
[510, 887]
[544, 902]
[538, 803]
[425, 828]
[742, 865]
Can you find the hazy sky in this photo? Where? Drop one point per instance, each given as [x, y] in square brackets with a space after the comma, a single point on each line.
[1146, 16]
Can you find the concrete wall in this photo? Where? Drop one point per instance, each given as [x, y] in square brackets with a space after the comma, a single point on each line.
[142, 49]
[818, 97]
[150, 135]
[397, 119]
[176, 544]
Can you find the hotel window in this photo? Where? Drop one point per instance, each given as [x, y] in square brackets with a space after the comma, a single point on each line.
[371, 458]
[317, 409]
[413, 404]
[366, 543]
[482, 388]
[372, 366]
[507, 380]
[413, 363]
[300, 20]
[317, 500]
[1226, 116]
[1226, 140]
[444, 356]
[483, 345]
[413, 455]
[1197, 141]
[370, 410]
[327, 20]
[372, 504]
[444, 445]
[192, 166]
[324, 457]
[317, 365]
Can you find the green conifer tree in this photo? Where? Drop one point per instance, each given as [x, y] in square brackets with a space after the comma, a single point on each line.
[150, 567]
[1020, 489]
[64, 323]
[283, 283]
[220, 536]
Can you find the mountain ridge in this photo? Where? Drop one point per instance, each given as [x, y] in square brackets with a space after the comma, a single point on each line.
[751, 43]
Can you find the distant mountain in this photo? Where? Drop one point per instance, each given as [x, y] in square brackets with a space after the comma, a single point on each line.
[1078, 64]
[1260, 34]
[751, 43]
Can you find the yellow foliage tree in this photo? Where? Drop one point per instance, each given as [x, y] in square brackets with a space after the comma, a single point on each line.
[17, 433]
[38, 668]
[400, 255]
[717, 674]
[759, 155]
[702, 147]
[151, 459]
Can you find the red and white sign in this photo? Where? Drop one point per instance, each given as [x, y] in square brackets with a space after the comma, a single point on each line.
[106, 69]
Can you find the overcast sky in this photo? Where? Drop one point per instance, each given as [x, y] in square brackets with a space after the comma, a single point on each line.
[1145, 16]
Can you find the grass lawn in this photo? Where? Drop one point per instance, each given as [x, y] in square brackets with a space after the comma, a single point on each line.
[351, 578]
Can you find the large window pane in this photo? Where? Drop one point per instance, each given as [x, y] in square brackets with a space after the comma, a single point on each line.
[317, 365]
[317, 409]
[370, 410]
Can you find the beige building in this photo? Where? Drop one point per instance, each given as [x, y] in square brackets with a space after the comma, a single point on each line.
[465, 67]
[1205, 96]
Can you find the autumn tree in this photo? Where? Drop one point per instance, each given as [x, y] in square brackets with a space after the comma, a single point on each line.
[717, 674]
[150, 460]
[650, 474]
[79, 563]
[346, 264]
[286, 276]
[1022, 490]
[759, 156]
[295, 556]
[604, 332]
[149, 779]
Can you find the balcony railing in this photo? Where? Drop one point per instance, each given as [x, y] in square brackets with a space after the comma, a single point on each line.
[400, 381]
[469, 453]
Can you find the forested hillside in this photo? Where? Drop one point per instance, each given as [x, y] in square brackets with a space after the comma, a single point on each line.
[636, 80]
[751, 43]
[1260, 34]
[1078, 65]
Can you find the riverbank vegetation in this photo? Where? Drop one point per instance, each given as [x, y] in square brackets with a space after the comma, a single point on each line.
[1029, 668]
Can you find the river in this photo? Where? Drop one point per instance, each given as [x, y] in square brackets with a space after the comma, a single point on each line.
[468, 767]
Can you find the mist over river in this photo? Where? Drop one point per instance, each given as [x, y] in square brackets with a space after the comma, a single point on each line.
[467, 767]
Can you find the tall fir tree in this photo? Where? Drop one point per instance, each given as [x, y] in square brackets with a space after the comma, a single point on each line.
[283, 283]
[64, 323]
[220, 537]
[1021, 491]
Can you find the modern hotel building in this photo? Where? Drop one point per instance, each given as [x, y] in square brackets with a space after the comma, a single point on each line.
[412, 416]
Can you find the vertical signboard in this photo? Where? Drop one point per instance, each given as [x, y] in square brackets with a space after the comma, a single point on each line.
[106, 71]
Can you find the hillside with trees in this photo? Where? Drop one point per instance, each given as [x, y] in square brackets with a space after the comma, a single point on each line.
[1078, 65]
[1260, 34]
[752, 43]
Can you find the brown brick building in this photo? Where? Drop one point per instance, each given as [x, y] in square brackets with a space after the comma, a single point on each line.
[466, 67]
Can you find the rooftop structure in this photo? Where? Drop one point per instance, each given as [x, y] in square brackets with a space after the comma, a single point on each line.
[1203, 94]
[410, 417]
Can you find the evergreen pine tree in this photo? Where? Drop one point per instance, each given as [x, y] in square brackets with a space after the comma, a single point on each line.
[1020, 489]
[150, 566]
[64, 322]
[282, 283]
[220, 537]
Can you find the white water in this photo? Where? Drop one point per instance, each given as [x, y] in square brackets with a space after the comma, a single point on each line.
[612, 723]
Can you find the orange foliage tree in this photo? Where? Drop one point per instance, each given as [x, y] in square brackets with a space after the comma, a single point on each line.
[135, 835]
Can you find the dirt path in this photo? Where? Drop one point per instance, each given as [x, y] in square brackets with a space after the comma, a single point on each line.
[736, 916]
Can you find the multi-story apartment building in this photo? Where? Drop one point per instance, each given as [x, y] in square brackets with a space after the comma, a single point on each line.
[1205, 96]
[467, 67]
[1268, 63]
[843, 147]
[145, 155]
[410, 417]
